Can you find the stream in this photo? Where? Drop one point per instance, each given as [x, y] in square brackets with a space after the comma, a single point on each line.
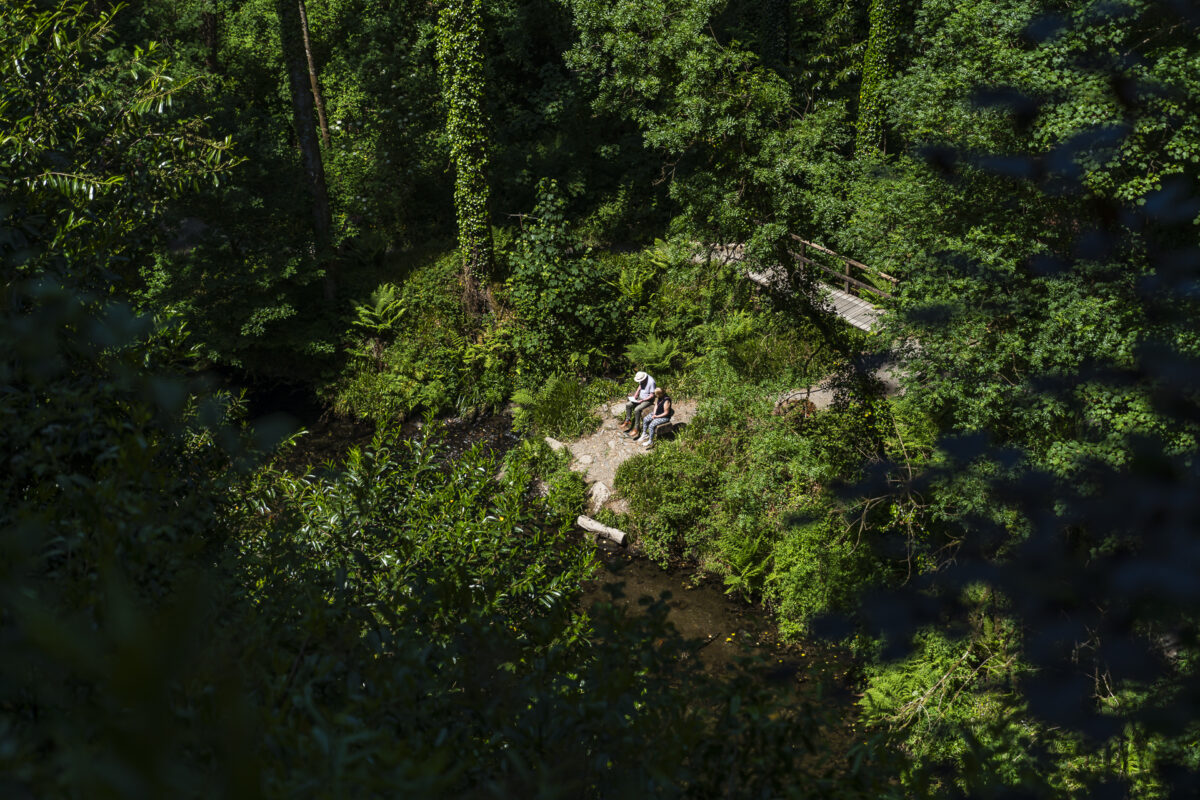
[723, 628]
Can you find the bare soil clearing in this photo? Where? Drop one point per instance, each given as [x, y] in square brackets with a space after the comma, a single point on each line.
[598, 455]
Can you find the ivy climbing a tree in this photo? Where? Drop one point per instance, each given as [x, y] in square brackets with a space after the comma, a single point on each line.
[460, 61]
[879, 61]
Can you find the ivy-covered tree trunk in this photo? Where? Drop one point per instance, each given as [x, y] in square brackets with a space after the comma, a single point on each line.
[312, 75]
[878, 65]
[460, 61]
[290, 37]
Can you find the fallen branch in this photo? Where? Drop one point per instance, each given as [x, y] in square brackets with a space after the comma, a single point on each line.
[612, 534]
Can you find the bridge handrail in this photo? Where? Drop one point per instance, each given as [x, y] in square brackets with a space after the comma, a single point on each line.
[844, 276]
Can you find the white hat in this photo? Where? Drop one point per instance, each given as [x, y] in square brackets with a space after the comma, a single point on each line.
[640, 376]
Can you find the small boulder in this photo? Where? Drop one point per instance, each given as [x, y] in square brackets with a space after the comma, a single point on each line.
[597, 497]
[555, 444]
[618, 410]
[586, 459]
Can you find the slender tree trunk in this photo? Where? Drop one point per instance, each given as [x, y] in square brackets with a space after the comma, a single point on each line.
[306, 134]
[210, 32]
[878, 67]
[460, 61]
[312, 76]
[775, 33]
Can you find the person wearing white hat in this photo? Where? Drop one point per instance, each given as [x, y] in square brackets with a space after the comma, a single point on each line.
[638, 402]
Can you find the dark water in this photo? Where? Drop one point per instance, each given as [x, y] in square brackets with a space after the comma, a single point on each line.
[723, 629]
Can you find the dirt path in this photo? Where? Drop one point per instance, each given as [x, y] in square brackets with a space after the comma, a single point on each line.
[597, 456]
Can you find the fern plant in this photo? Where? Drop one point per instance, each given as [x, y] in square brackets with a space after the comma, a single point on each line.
[382, 312]
[377, 319]
[653, 353]
[747, 561]
[561, 407]
[636, 276]
[632, 281]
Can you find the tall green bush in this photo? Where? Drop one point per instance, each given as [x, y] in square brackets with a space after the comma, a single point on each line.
[563, 297]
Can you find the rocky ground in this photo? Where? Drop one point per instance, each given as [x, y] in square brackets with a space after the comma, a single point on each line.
[597, 456]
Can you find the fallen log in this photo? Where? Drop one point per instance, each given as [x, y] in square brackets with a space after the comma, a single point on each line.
[612, 534]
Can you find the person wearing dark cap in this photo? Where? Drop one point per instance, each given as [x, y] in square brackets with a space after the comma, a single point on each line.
[660, 414]
[638, 402]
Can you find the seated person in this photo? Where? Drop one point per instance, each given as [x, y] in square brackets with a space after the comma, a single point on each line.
[638, 402]
[656, 417]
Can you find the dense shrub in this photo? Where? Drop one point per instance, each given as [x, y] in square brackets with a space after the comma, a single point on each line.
[653, 354]
[410, 350]
[563, 298]
[561, 407]
[669, 494]
[817, 567]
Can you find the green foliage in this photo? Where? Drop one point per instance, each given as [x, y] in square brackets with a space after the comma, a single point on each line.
[818, 567]
[378, 319]
[117, 462]
[653, 354]
[956, 703]
[457, 554]
[761, 347]
[92, 149]
[532, 459]
[748, 494]
[735, 118]
[461, 64]
[562, 297]
[382, 312]
[878, 67]
[669, 495]
[1030, 323]
[561, 407]
[566, 494]
[725, 124]
[427, 364]
[389, 596]
[640, 274]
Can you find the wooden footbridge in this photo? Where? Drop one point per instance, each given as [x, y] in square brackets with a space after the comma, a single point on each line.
[852, 285]
[853, 288]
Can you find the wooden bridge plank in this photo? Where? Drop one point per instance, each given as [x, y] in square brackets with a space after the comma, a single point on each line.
[856, 311]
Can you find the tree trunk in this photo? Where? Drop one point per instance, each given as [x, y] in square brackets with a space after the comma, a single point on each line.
[878, 67]
[306, 134]
[312, 76]
[775, 33]
[210, 33]
[460, 61]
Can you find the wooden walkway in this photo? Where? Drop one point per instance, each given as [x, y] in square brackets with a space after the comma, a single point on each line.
[854, 309]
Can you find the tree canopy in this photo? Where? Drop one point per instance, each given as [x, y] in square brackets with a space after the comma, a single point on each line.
[501, 209]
